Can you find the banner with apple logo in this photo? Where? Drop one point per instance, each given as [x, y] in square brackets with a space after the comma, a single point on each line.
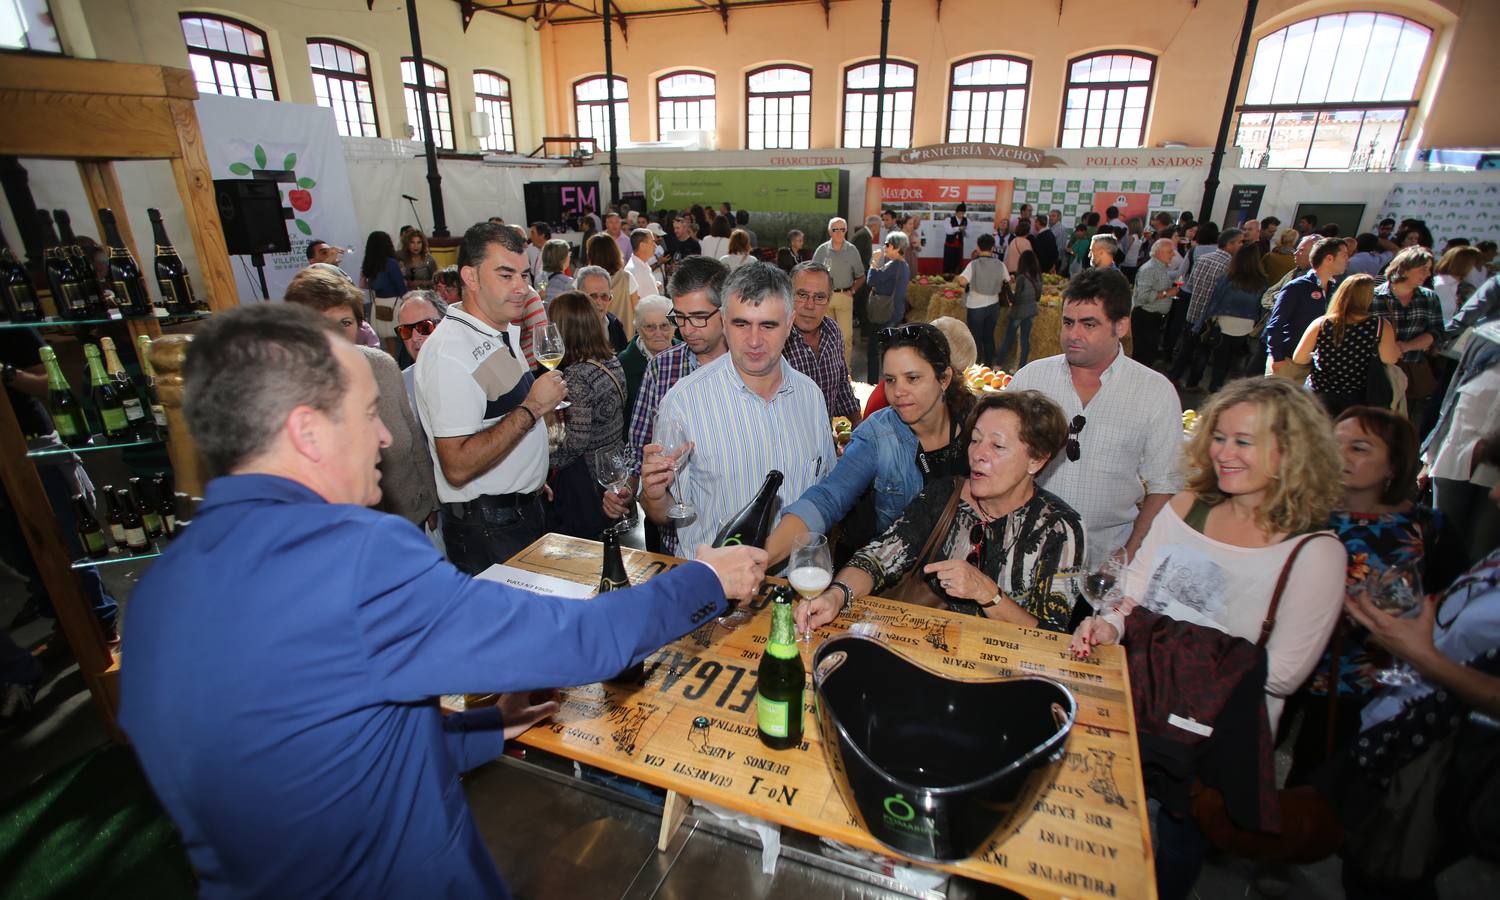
[298, 147]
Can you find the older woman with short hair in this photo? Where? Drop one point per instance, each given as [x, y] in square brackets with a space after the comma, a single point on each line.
[653, 334]
[887, 278]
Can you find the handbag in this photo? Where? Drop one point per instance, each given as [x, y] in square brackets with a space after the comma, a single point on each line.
[1421, 380]
[879, 309]
[914, 586]
[1211, 335]
[1379, 387]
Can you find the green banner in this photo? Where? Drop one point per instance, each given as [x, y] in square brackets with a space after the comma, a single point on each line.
[763, 190]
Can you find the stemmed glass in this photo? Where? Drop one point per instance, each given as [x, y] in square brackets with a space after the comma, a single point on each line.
[811, 568]
[612, 468]
[673, 438]
[547, 347]
[1101, 586]
[1398, 591]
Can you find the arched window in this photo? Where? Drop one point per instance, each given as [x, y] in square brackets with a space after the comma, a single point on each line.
[861, 88]
[1106, 99]
[341, 82]
[987, 100]
[590, 98]
[492, 96]
[685, 102]
[1332, 92]
[438, 107]
[228, 57]
[778, 115]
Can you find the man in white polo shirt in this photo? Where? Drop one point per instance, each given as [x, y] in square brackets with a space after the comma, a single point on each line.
[482, 409]
[638, 263]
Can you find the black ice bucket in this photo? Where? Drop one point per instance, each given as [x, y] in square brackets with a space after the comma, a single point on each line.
[933, 766]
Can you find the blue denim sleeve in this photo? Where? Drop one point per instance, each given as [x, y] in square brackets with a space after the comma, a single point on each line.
[828, 501]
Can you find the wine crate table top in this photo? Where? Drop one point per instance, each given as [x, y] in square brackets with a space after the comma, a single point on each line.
[689, 726]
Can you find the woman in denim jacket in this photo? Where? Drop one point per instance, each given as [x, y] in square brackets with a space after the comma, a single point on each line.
[899, 448]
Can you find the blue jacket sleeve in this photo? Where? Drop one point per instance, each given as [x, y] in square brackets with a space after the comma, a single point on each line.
[474, 736]
[898, 290]
[429, 629]
[1280, 339]
[391, 282]
[830, 500]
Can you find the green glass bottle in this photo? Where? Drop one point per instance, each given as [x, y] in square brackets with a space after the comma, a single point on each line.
[779, 686]
[613, 577]
[82, 263]
[106, 397]
[135, 529]
[114, 517]
[90, 535]
[145, 502]
[67, 413]
[171, 274]
[141, 428]
[125, 277]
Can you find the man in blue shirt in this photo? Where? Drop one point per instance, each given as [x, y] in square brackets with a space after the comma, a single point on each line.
[286, 651]
[1303, 299]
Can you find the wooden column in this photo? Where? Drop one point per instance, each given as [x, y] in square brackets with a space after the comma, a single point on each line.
[195, 184]
[167, 356]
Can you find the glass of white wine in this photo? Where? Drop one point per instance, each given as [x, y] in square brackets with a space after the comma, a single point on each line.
[810, 569]
[547, 347]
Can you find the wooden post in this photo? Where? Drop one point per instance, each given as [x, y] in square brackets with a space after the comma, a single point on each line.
[195, 183]
[671, 819]
[167, 356]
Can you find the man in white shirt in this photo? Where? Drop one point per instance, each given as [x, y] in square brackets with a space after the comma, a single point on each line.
[613, 228]
[482, 408]
[638, 264]
[537, 238]
[847, 269]
[1125, 420]
[746, 413]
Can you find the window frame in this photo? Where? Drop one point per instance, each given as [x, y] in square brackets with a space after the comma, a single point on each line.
[229, 56]
[771, 67]
[1069, 84]
[954, 86]
[437, 96]
[601, 141]
[368, 80]
[870, 92]
[508, 106]
[699, 99]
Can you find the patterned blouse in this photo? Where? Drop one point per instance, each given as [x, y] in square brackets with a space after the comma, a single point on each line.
[596, 420]
[1339, 369]
[1022, 551]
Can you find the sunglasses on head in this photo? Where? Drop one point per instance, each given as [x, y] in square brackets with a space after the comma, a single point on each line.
[917, 333]
[1074, 450]
[421, 326]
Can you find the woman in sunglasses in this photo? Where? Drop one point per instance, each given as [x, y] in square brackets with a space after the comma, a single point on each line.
[999, 543]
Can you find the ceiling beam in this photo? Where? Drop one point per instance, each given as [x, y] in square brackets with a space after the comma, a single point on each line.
[826, 22]
[465, 12]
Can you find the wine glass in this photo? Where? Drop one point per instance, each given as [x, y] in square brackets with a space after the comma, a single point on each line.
[612, 469]
[672, 436]
[547, 347]
[1398, 591]
[1101, 586]
[811, 568]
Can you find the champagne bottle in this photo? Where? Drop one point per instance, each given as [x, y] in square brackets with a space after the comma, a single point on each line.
[67, 413]
[146, 503]
[166, 503]
[106, 397]
[67, 293]
[781, 680]
[171, 274]
[125, 277]
[752, 524]
[82, 263]
[140, 427]
[130, 518]
[114, 519]
[143, 355]
[612, 577]
[90, 535]
[21, 303]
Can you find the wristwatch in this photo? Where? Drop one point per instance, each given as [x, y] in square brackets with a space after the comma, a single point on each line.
[992, 601]
[848, 595]
[8, 374]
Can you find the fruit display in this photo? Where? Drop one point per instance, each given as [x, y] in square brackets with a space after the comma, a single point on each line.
[984, 380]
[934, 280]
[1189, 422]
[843, 430]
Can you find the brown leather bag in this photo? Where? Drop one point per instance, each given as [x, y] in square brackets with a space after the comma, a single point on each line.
[913, 586]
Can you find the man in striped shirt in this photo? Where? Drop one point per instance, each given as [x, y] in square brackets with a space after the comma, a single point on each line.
[1192, 354]
[815, 347]
[746, 414]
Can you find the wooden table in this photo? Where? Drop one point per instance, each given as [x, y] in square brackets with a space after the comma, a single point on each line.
[1087, 835]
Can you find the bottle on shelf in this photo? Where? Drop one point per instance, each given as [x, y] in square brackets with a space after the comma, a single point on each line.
[752, 525]
[64, 407]
[90, 535]
[781, 680]
[130, 518]
[106, 398]
[141, 428]
[62, 280]
[613, 577]
[166, 503]
[125, 277]
[148, 374]
[21, 303]
[145, 501]
[171, 274]
[83, 264]
[114, 519]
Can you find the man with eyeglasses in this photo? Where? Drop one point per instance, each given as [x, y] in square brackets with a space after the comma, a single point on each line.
[814, 348]
[417, 316]
[1120, 466]
[847, 270]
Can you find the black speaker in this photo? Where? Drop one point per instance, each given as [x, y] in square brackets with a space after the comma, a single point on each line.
[252, 216]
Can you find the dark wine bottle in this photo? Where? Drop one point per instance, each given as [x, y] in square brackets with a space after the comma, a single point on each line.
[106, 398]
[82, 263]
[64, 408]
[166, 503]
[143, 356]
[612, 577]
[752, 524]
[114, 519]
[125, 277]
[90, 535]
[145, 501]
[140, 427]
[21, 303]
[781, 680]
[130, 518]
[67, 293]
[171, 274]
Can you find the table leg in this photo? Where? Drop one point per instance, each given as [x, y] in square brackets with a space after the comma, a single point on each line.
[671, 818]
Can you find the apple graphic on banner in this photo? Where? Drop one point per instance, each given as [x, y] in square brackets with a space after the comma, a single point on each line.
[301, 200]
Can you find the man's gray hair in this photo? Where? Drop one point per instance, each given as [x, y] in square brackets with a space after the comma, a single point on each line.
[816, 268]
[1156, 245]
[438, 303]
[653, 303]
[1228, 235]
[755, 282]
[1107, 240]
[872, 221]
[590, 272]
